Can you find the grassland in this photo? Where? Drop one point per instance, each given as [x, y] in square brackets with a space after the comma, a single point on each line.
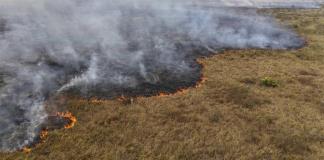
[232, 115]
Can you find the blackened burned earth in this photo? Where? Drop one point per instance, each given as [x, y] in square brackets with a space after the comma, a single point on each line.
[158, 80]
[107, 50]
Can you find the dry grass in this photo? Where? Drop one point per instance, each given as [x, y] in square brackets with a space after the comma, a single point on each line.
[230, 116]
[244, 97]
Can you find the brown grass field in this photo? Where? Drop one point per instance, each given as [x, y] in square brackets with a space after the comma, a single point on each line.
[254, 105]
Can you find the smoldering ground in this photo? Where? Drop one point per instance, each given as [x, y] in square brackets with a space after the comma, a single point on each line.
[109, 48]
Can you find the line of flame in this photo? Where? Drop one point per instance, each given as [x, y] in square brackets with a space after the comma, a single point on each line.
[69, 116]
[44, 133]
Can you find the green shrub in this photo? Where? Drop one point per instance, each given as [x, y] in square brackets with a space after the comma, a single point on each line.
[269, 82]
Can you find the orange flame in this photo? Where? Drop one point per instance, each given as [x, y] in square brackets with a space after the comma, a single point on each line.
[69, 116]
[43, 135]
[96, 101]
[163, 94]
[26, 150]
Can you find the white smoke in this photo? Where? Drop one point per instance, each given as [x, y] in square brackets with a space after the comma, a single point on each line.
[48, 47]
[258, 3]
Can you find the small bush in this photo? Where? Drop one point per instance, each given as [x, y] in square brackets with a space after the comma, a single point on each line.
[269, 82]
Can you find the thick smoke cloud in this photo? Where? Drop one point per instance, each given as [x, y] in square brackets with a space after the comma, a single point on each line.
[110, 47]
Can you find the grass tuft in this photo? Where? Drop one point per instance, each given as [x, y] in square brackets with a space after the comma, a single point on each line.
[215, 117]
[269, 82]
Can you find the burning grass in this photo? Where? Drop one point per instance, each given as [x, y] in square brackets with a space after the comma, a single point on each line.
[210, 122]
[69, 117]
[60, 120]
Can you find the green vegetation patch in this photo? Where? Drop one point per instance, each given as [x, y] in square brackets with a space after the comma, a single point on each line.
[269, 82]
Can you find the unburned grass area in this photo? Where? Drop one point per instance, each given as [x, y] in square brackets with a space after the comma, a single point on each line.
[232, 115]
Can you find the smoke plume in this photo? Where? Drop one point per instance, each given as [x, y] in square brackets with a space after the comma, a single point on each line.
[108, 48]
